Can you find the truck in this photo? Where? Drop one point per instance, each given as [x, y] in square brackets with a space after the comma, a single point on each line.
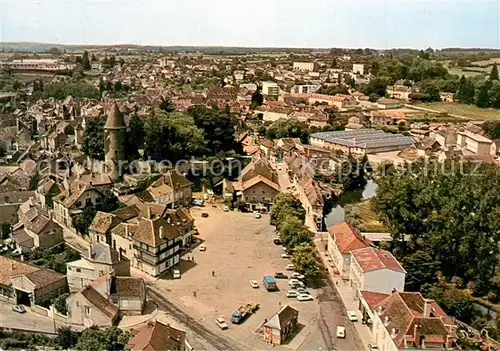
[243, 312]
[270, 283]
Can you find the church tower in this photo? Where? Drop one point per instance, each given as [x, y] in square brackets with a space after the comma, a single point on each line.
[114, 142]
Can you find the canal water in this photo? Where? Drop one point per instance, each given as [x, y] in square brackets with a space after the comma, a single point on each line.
[337, 213]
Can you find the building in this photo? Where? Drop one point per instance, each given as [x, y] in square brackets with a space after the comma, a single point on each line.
[256, 187]
[22, 283]
[305, 88]
[281, 326]
[360, 142]
[74, 200]
[270, 88]
[385, 103]
[156, 336]
[114, 142]
[447, 97]
[99, 260]
[375, 270]
[475, 144]
[399, 91]
[343, 238]
[387, 117]
[172, 189]
[305, 66]
[358, 68]
[273, 113]
[406, 320]
[88, 307]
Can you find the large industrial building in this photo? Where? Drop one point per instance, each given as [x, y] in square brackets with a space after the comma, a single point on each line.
[363, 141]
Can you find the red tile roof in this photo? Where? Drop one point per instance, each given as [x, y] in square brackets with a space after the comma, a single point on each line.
[373, 298]
[347, 238]
[371, 259]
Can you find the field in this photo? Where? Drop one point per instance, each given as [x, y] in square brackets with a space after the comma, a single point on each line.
[368, 219]
[461, 110]
[489, 62]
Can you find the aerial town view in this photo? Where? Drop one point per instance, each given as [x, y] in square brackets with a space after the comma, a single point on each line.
[267, 175]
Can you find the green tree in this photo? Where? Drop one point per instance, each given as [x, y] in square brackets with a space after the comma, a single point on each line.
[293, 232]
[257, 98]
[67, 338]
[109, 203]
[95, 339]
[288, 128]
[483, 95]
[353, 173]
[82, 221]
[69, 130]
[455, 302]
[167, 105]
[285, 204]
[135, 137]
[85, 61]
[494, 72]
[466, 91]
[60, 303]
[492, 129]
[93, 138]
[304, 260]
[421, 268]
[5, 230]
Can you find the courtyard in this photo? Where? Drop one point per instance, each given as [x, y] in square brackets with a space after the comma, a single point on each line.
[239, 247]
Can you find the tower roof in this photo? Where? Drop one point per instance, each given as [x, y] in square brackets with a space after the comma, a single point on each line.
[115, 118]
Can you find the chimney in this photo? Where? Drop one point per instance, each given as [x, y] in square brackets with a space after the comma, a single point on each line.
[386, 321]
[427, 307]
[416, 335]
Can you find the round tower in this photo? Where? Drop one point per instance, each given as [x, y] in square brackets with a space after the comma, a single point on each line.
[114, 142]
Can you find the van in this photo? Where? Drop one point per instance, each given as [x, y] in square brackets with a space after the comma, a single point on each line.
[340, 332]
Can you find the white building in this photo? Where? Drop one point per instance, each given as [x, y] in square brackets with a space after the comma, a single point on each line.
[270, 88]
[358, 68]
[376, 270]
[476, 144]
[342, 240]
[304, 66]
[305, 88]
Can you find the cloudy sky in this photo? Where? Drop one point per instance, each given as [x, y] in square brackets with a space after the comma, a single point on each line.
[284, 23]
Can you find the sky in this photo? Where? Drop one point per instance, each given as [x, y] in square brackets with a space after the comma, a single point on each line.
[255, 23]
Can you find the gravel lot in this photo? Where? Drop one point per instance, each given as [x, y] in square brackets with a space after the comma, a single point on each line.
[240, 248]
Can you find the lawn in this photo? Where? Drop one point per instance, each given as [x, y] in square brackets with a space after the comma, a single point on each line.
[462, 110]
[363, 215]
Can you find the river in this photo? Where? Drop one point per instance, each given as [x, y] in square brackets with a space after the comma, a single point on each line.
[337, 213]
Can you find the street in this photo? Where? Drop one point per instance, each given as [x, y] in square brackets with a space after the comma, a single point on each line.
[28, 321]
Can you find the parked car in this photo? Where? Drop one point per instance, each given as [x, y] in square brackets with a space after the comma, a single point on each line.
[284, 255]
[18, 308]
[226, 209]
[298, 276]
[293, 282]
[340, 332]
[277, 242]
[280, 275]
[203, 247]
[177, 274]
[352, 316]
[198, 202]
[304, 297]
[291, 294]
[204, 214]
[258, 215]
[254, 284]
[290, 267]
[372, 347]
[302, 290]
[221, 323]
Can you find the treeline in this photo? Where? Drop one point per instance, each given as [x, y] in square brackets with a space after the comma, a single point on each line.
[61, 90]
[482, 93]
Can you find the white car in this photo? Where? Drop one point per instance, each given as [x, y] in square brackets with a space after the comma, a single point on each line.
[285, 255]
[292, 294]
[293, 282]
[177, 274]
[221, 323]
[304, 297]
[203, 247]
[290, 267]
[352, 316]
[254, 284]
[298, 276]
[340, 332]
[226, 209]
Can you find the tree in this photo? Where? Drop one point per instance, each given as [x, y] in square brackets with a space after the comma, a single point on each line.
[85, 60]
[109, 203]
[353, 173]
[257, 98]
[492, 129]
[60, 303]
[135, 137]
[448, 210]
[483, 95]
[285, 204]
[67, 338]
[78, 90]
[453, 301]
[494, 72]
[288, 128]
[69, 130]
[95, 339]
[93, 138]
[293, 232]
[82, 221]
[466, 91]
[167, 105]
[421, 269]
[304, 260]
[5, 230]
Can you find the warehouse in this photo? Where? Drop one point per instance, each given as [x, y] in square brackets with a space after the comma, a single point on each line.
[369, 141]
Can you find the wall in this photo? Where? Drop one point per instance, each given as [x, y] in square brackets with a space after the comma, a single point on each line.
[76, 312]
[384, 280]
[78, 277]
[259, 193]
[381, 336]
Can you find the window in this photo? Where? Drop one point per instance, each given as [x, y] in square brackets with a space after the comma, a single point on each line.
[87, 310]
[130, 246]
[69, 268]
[78, 204]
[78, 270]
[263, 191]
[125, 304]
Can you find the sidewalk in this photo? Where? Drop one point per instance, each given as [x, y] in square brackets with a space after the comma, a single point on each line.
[347, 296]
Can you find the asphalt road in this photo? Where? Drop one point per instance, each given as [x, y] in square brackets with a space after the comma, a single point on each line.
[29, 321]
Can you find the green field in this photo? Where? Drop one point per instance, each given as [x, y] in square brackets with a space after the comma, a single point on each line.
[467, 111]
[489, 62]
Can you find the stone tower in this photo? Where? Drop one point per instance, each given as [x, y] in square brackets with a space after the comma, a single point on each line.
[114, 142]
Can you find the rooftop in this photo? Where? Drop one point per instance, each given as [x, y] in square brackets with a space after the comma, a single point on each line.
[365, 138]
